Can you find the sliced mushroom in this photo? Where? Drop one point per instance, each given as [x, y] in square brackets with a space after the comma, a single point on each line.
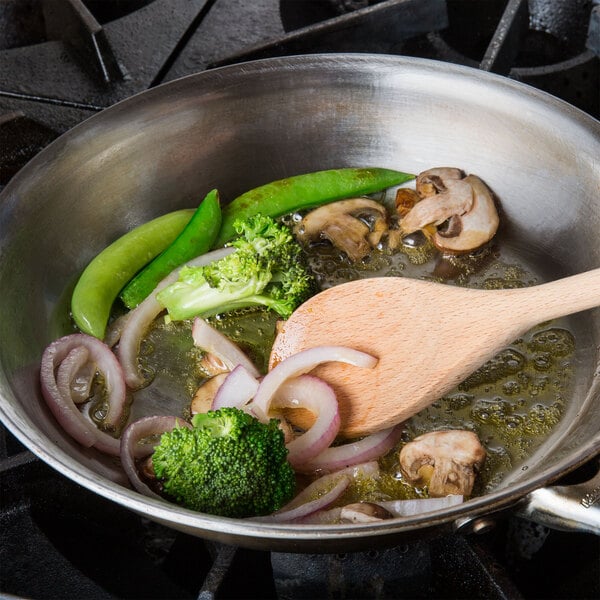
[473, 229]
[284, 425]
[364, 512]
[436, 180]
[212, 365]
[458, 214]
[447, 461]
[456, 199]
[205, 394]
[405, 201]
[344, 224]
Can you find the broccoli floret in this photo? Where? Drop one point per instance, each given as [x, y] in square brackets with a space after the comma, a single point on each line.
[266, 269]
[228, 464]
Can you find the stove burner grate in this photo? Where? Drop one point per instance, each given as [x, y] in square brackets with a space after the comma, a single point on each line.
[60, 540]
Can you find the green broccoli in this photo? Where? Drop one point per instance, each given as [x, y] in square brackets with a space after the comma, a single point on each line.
[228, 464]
[265, 269]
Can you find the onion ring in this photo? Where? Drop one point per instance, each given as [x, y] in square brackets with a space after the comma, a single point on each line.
[131, 449]
[321, 493]
[210, 340]
[398, 508]
[316, 396]
[366, 449]
[237, 389]
[418, 506]
[300, 363]
[301, 505]
[139, 319]
[63, 407]
[67, 379]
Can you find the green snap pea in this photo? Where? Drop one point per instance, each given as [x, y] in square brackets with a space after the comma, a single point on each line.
[105, 276]
[306, 191]
[196, 238]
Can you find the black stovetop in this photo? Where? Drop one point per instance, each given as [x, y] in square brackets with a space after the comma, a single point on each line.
[62, 61]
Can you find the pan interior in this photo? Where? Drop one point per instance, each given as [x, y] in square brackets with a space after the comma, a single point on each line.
[238, 127]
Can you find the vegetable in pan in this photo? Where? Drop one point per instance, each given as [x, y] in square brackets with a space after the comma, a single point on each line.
[102, 280]
[228, 464]
[301, 192]
[196, 238]
[266, 269]
[287, 409]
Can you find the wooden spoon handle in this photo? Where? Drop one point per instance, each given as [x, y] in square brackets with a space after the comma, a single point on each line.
[558, 298]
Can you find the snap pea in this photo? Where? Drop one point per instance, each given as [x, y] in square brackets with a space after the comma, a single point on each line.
[105, 276]
[306, 191]
[196, 238]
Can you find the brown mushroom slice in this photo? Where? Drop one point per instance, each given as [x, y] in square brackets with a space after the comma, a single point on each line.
[349, 235]
[454, 456]
[436, 180]
[212, 365]
[478, 226]
[457, 199]
[205, 394]
[364, 512]
[405, 201]
[339, 222]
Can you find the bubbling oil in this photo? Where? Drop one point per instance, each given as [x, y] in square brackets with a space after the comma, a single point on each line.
[512, 402]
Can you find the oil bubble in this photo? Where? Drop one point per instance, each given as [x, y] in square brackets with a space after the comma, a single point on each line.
[558, 342]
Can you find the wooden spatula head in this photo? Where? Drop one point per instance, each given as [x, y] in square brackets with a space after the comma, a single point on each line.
[427, 337]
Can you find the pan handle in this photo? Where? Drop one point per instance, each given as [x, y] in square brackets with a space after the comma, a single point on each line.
[565, 507]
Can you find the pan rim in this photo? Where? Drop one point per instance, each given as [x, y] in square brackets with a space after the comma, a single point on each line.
[205, 524]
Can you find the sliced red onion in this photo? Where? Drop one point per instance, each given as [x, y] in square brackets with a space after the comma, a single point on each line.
[327, 516]
[139, 319]
[62, 405]
[418, 506]
[302, 509]
[114, 330]
[70, 378]
[301, 363]
[81, 385]
[131, 448]
[210, 340]
[368, 448]
[321, 493]
[326, 490]
[314, 395]
[237, 389]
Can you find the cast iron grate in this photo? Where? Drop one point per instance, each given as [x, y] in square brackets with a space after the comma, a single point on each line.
[59, 540]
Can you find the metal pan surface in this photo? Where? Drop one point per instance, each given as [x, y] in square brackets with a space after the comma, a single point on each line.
[240, 126]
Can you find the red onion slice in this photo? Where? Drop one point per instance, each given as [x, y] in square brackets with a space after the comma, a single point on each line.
[419, 506]
[326, 490]
[321, 493]
[237, 389]
[139, 319]
[63, 407]
[301, 363]
[366, 449]
[327, 516]
[70, 378]
[316, 396]
[131, 448]
[214, 342]
[398, 508]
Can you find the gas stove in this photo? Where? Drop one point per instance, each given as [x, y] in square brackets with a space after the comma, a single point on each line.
[62, 61]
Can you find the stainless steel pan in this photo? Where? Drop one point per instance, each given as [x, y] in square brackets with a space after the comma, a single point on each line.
[240, 126]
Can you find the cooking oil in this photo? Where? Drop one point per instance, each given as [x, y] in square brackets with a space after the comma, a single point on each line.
[512, 402]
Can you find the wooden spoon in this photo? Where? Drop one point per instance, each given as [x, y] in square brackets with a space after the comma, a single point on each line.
[427, 336]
